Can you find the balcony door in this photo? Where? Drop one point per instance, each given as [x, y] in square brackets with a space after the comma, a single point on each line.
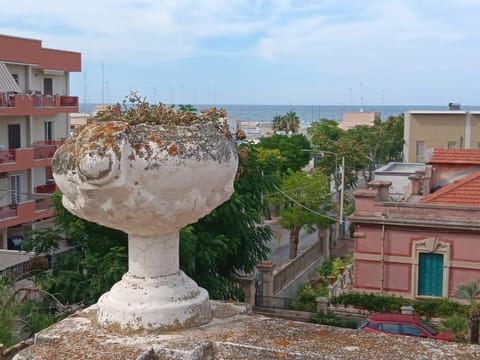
[48, 86]
[48, 130]
[14, 136]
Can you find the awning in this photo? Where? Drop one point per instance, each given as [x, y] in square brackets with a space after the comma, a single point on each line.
[53, 72]
[7, 82]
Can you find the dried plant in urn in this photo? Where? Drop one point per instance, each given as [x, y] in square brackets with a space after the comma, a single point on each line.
[149, 171]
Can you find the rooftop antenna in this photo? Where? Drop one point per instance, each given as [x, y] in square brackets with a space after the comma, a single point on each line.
[361, 94]
[103, 83]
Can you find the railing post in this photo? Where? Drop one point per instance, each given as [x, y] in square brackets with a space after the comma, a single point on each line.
[266, 268]
[247, 282]
[322, 305]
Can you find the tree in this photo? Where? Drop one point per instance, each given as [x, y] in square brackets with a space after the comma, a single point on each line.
[307, 202]
[290, 122]
[293, 150]
[278, 123]
[469, 292]
[80, 276]
[230, 241]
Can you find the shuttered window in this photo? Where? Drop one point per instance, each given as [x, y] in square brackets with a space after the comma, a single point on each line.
[430, 274]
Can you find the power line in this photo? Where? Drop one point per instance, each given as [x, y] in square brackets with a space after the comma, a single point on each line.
[303, 206]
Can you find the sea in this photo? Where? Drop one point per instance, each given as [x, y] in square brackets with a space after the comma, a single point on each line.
[306, 113]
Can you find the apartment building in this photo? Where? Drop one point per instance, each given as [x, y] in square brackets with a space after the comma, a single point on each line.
[447, 129]
[34, 121]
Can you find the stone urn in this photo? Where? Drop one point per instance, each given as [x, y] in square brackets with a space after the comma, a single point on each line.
[149, 181]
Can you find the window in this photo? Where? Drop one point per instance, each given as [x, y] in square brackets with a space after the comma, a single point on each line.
[15, 77]
[15, 189]
[411, 330]
[48, 130]
[452, 145]
[391, 328]
[420, 151]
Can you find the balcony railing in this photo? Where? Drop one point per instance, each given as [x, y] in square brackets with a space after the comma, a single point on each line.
[7, 156]
[18, 104]
[45, 189]
[44, 149]
[43, 203]
[8, 211]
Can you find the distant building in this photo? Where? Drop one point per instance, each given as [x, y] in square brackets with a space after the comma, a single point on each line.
[34, 120]
[448, 129]
[255, 130]
[425, 245]
[398, 174]
[356, 118]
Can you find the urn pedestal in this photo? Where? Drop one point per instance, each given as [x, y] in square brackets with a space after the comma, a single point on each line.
[148, 181]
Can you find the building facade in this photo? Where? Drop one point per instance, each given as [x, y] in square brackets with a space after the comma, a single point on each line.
[449, 129]
[34, 120]
[425, 245]
[352, 119]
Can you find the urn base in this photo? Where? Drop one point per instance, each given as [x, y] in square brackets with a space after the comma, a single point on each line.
[157, 303]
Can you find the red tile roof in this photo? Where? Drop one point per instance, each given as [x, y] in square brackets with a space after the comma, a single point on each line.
[455, 156]
[464, 192]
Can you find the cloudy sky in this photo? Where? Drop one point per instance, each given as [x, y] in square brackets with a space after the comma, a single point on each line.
[322, 52]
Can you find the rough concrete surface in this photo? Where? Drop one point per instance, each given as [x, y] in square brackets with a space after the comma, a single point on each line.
[234, 333]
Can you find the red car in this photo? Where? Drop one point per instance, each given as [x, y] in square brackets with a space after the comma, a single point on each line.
[410, 325]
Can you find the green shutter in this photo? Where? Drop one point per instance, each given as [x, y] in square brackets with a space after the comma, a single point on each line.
[430, 274]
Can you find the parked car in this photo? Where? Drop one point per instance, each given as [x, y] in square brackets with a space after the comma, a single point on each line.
[400, 324]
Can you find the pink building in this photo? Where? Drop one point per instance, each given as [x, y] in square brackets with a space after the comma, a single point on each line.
[428, 244]
[35, 104]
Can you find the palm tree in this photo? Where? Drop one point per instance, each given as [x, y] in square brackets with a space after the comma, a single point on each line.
[278, 123]
[292, 122]
[469, 292]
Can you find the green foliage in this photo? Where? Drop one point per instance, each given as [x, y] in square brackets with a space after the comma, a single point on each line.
[15, 309]
[8, 312]
[292, 150]
[229, 240]
[289, 122]
[458, 324]
[430, 308]
[326, 268]
[372, 302]
[332, 320]
[42, 240]
[363, 147]
[307, 200]
[468, 291]
[306, 298]
[98, 261]
[187, 107]
[36, 316]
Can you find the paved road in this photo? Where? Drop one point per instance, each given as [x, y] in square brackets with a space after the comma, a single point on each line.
[280, 243]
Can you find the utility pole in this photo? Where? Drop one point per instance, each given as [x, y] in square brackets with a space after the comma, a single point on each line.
[342, 190]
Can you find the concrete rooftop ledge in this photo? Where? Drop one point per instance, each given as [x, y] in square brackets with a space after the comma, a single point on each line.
[234, 333]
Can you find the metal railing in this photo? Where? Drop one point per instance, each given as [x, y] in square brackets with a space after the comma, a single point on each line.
[24, 269]
[274, 302]
[290, 271]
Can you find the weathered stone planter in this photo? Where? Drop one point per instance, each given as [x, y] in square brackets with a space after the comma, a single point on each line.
[148, 181]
